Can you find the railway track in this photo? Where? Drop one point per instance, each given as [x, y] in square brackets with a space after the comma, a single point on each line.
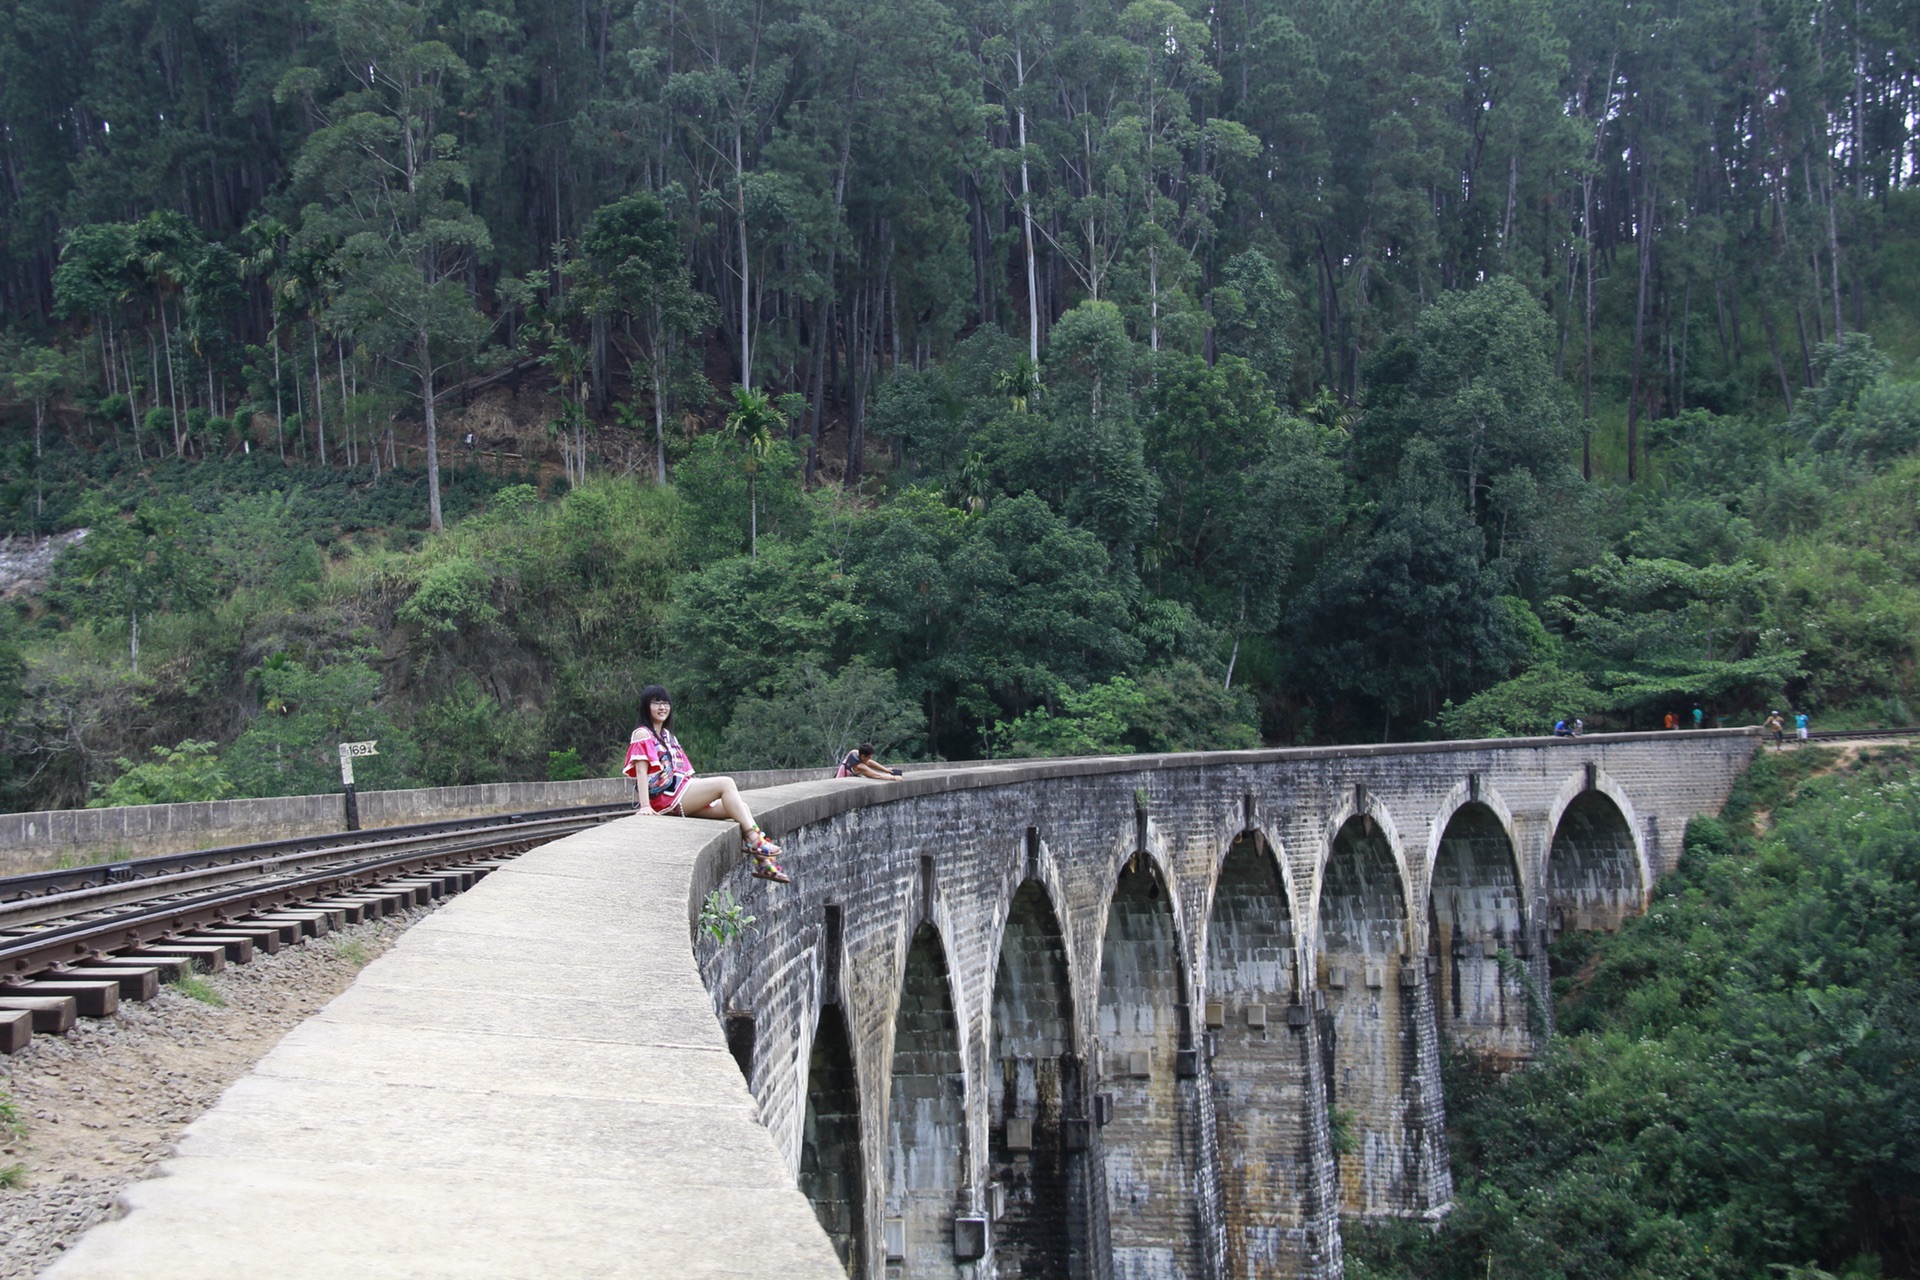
[75, 942]
[1858, 735]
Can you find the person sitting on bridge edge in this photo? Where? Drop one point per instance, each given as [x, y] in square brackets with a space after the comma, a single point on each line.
[859, 763]
[673, 789]
[1561, 729]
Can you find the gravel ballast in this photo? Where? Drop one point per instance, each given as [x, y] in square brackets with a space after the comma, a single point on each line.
[102, 1105]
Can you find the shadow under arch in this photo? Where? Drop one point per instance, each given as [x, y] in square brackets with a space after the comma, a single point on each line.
[1150, 1145]
[830, 1153]
[1596, 874]
[926, 1115]
[1035, 1082]
[1380, 1057]
[1475, 912]
[1262, 1071]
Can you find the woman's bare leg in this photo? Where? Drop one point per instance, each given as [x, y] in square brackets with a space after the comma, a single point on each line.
[716, 798]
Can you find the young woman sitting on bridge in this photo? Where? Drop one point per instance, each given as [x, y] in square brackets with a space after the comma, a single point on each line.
[672, 788]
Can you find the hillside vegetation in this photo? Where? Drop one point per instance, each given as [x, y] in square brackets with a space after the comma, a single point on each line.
[1054, 378]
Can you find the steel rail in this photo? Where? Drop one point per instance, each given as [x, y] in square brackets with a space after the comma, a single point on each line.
[68, 879]
[23, 912]
[1836, 735]
[158, 922]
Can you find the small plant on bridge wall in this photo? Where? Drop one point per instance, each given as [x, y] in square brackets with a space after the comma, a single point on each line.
[723, 919]
[1340, 1131]
[1515, 971]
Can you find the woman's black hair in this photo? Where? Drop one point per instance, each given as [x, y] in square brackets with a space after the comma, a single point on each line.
[648, 696]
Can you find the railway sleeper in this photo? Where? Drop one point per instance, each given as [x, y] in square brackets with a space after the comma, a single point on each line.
[92, 999]
[239, 949]
[51, 1015]
[209, 957]
[170, 968]
[51, 1003]
[265, 938]
[141, 984]
[372, 907]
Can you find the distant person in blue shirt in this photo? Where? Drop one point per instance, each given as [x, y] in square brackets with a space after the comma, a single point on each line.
[1800, 726]
[1699, 718]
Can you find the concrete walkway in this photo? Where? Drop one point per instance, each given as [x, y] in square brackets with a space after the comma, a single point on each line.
[487, 1102]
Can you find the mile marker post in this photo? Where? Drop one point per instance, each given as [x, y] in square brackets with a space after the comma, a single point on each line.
[348, 750]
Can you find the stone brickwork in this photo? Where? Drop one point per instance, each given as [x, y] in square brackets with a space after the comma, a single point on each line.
[1474, 914]
[830, 1158]
[1150, 1140]
[1033, 1084]
[1274, 1172]
[1043, 940]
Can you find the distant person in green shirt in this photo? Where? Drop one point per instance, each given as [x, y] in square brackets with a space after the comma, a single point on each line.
[1699, 718]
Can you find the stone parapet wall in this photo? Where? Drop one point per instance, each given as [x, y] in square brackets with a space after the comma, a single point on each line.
[74, 837]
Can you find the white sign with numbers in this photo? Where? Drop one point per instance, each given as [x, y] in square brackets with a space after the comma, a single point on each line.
[348, 750]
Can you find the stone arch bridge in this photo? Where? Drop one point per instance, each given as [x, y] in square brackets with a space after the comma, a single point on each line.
[1148, 1018]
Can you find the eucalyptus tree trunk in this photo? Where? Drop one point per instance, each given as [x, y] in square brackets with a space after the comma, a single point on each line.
[434, 521]
[1026, 220]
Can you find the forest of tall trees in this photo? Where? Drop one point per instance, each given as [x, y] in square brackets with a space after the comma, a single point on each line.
[299, 202]
[1066, 376]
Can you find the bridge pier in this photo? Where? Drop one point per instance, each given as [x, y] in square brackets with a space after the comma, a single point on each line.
[1149, 1140]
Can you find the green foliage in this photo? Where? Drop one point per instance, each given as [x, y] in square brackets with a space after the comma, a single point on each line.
[1525, 706]
[723, 919]
[292, 746]
[194, 987]
[474, 738]
[1731, 1093]
[1177, 708]
[812, 720]
[454, 594]
[565, 766]
[127, 569]
[189, 772]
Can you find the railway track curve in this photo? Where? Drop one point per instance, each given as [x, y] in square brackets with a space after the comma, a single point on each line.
[75, 942]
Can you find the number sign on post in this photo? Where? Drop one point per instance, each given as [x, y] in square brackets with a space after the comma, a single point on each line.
[348, 750]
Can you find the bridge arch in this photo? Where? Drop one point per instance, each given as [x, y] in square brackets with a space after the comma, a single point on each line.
[1035, 1082]
[1366, 807]
[1482, 792]
[926, 1134]
[1378, 1038]
[1476, 915]
[1598, 871]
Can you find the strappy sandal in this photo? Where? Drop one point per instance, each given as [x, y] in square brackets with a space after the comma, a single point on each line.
[765, 854]
[765, 868]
